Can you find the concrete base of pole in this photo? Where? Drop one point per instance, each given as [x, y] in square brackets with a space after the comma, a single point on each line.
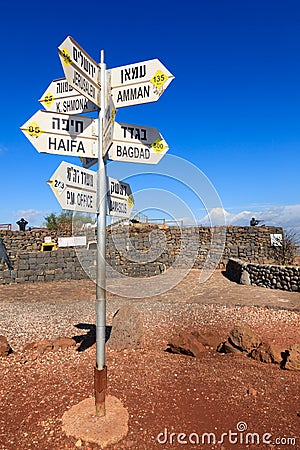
[81, 422]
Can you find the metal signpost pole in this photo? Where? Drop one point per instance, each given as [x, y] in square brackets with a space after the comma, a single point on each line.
[56, 132]
[100, 373]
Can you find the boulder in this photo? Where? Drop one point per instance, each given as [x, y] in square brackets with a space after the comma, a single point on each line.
[47, 345]
[226, 347]
[127, 329]
[244, 339]
[39, 347]
[267, 353]
[5, 348]
[63, 342]
[293, 358]
[186, 344]
[245, 278]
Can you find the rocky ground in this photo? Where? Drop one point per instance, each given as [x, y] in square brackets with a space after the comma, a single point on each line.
[173, 400]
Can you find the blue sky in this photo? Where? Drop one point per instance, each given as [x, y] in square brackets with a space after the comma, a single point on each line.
[233, 109]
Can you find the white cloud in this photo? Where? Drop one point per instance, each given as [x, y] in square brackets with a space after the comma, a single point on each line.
[283, 216]
[216, 216]
[34, 217]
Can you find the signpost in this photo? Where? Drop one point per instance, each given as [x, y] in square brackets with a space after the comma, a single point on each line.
[81, 71]
[62, 134]
[135, 143]
[76, 190]
[108, 124]
[120, 200]
[89, 86]
[138, 83]
[88, 162]
[60, 97]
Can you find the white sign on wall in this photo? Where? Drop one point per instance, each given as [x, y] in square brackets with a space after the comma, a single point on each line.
[73, 241]
[276, 240]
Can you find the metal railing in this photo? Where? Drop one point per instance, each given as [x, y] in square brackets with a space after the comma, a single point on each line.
[5, 226]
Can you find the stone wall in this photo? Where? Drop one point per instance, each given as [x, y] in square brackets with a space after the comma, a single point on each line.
[136, 250]
[189, 245]
[44, 266]
[266, 275]
[19, 242]
[67, 264]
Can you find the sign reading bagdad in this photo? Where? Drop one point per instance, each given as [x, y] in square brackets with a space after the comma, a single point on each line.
[136, 143]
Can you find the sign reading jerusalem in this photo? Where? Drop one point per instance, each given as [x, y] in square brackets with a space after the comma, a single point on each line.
[81, 71]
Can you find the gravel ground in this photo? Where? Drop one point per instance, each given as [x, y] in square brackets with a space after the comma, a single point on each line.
[47, 310]
[162, 391]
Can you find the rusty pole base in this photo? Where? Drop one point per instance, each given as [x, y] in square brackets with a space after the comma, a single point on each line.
[100, 383]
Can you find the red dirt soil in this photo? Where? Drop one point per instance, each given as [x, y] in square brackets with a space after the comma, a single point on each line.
[173, 400]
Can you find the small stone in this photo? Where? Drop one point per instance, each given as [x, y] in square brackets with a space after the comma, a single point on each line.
[5, 348]
[78, 443]
[39, 346]
[252, 391]
[63, 342]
